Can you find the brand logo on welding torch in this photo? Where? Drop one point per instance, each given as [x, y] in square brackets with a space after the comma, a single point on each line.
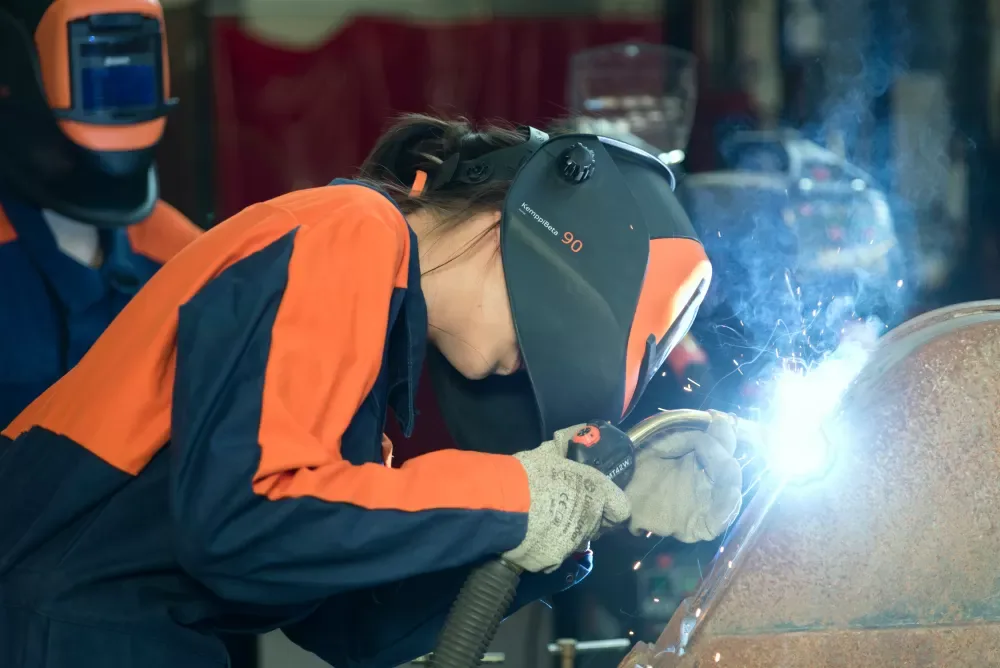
[528, 211]
[621, 468]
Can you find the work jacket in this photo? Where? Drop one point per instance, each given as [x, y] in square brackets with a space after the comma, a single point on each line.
[52, 307]
[216, 461]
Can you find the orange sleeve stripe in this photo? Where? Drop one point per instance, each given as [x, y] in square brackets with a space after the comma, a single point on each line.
[164, 234]
[134, 360]
[446, 479]
[327, 345]
[327, 340]
[312, 206]
[7, 231]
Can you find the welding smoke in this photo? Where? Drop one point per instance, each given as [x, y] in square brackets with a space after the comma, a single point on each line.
[803, 241]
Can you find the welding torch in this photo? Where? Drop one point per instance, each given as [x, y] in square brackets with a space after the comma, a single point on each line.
[489, 590]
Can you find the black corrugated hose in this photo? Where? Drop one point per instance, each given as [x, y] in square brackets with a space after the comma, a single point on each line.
[476, 615]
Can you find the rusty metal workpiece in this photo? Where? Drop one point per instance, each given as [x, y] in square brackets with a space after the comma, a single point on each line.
[891, 559]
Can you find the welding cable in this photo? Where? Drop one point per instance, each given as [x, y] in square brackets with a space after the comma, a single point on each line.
[476, 615]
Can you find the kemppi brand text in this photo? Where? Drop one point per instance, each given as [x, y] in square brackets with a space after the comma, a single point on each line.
[527, 210]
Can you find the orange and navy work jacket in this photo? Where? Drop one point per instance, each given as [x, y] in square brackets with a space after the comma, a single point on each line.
[52, 308]
[216, 461]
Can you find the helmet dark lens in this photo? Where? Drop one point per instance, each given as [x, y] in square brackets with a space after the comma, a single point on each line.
[116, 62]
[118, 85]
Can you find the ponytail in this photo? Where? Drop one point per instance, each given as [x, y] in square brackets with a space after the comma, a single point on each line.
[418, 143]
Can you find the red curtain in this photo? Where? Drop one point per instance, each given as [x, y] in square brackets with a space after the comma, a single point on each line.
[290, 119]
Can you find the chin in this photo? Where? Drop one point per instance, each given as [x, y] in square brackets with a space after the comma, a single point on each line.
[473, 370]
[474, 373]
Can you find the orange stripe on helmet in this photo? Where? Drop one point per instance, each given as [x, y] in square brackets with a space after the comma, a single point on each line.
[52, 42]
[675, 269]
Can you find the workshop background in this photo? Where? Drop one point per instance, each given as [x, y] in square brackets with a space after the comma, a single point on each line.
[285, 94]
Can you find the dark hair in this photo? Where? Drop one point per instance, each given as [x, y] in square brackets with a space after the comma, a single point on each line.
[420, 142]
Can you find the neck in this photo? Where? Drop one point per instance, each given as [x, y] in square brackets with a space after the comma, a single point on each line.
[423, 226]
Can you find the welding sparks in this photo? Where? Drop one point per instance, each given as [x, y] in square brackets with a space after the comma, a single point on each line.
[801, 401]
[637, 565]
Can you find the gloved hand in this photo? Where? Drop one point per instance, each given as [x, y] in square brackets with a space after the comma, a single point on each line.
[688, 484]
[570, 503]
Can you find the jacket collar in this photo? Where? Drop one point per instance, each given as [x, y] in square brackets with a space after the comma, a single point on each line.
[408, 338]
[407, 344]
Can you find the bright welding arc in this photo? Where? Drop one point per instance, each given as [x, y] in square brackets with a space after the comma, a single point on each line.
[801, 401]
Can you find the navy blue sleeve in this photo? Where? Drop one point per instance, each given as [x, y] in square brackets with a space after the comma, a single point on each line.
[393, 624]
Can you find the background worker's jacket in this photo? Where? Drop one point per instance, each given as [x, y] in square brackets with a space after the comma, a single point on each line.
[216, 461]
[53, 307]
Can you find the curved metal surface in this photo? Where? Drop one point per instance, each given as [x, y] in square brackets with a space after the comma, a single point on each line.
[890, 559]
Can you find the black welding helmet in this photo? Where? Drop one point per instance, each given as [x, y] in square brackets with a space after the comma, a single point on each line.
[604, 271]
[84, 91]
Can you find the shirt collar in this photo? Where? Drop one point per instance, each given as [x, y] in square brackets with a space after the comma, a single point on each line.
[77, 286]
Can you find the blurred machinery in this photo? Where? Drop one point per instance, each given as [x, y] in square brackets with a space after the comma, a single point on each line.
[887, 559]
[787, 203]
[840, 218]
[642, 94]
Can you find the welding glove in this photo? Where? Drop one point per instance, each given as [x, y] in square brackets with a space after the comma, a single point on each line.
[687, 484]
[570, 504]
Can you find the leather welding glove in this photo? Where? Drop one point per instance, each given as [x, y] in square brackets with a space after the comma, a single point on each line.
[688, 484]
[570, 504]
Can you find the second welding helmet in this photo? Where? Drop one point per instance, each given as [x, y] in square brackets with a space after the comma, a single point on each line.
[604, 271]
[84, 91]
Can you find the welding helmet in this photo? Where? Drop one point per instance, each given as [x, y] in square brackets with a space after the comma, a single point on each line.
[604, 271]
[84, 91]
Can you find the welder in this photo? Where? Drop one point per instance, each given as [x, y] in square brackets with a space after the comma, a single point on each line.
[216, 461]
[84, 91]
